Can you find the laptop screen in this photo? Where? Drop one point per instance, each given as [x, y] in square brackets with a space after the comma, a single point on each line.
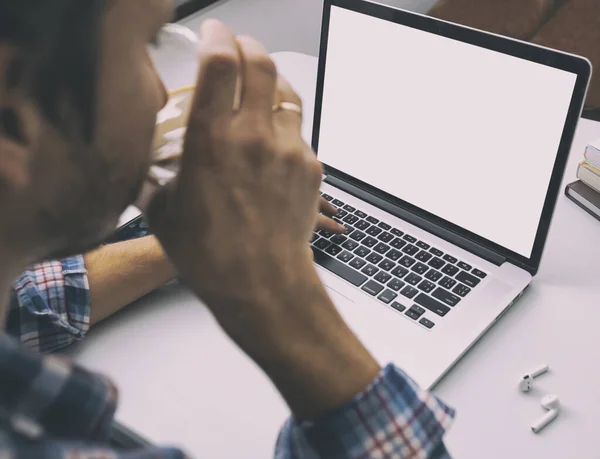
[467, 134]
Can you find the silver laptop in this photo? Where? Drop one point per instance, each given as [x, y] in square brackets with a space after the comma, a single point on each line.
[444, 149]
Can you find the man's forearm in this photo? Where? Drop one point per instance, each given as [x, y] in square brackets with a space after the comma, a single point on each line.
[121, 273]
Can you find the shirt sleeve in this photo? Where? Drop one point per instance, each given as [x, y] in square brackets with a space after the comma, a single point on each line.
[392, 417]
[50, 305]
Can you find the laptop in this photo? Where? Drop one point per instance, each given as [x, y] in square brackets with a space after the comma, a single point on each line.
[444, 149]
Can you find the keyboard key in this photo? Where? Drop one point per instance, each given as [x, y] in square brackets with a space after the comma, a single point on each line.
[431, 304]
[426, 323]
[338, 239]
[465, 266]
[400, 271]
[357, 235]
[386, 264]
[447, 283]
[406, 261]
[395, 284]
[398, 307]
[369, 241]
[467, 279]
[372, 287]
[393, 255]
[374, 231]
[410, 249]
[339, 268]
[357, 263]
[337, 220]
[382, 277]
[362, 251]
[384, 226]
[333, 249]
[409, 238]
[350, 245]
[422, 245]
[326, 234]
[372, 220]
[433, 275]
[450, 259]
[381, 248]
[461, 290]
[451, 270]
[345, 256]
[436, 252]
[436, 263]
[362, 225]
[385, 237]
[360, 214]
[369, 270]
[426, 286]
[350, 219]
[445, 296]
[398, 243]
[387, 296]
[396, 232]
[409, 292]
[413, 279]
[322, 244]
[349, 230]
[423, 256]
[314, 237]
[326, 197]
[341, 213]
[420, 268]
[415, 312]
[374, 258]
[349, 208]
[337, 202]
[479, 273]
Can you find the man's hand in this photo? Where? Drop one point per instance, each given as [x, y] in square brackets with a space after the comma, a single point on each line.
[324, 221]
[237, 219]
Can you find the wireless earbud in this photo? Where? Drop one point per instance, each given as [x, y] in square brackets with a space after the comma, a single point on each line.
[526, 383]
[551, 403]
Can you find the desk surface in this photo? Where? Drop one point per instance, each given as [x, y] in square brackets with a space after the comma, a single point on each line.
[183, 382]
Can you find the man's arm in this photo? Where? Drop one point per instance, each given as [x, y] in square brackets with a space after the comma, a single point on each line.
[54, 303]
[121, 273]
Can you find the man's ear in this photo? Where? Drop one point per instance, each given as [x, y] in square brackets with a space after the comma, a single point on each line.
[19, 122]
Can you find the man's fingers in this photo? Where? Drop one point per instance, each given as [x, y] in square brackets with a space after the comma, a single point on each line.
[327, 208]
[219, 70]
[259, 78]
[328, 224]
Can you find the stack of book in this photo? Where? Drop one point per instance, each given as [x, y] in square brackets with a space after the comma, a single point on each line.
[586, 191]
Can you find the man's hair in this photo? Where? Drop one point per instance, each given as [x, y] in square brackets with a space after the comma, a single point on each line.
[58, 42]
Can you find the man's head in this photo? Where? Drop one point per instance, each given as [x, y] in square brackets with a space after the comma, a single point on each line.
[78, 102]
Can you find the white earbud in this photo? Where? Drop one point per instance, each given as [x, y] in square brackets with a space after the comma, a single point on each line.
[526, 383]
[551, 403]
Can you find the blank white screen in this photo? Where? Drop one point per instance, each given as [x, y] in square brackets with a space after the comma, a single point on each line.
[467, 134]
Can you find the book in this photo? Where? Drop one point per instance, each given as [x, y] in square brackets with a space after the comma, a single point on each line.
[592, 153]
[584, 197]
[589, 174]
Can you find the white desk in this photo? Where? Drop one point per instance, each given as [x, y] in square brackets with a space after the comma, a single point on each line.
[183, 382]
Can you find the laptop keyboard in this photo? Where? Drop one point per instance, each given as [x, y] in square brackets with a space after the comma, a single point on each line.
[389, 264]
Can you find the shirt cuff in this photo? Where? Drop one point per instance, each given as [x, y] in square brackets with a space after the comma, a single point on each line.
[77, 294]
[392, 417]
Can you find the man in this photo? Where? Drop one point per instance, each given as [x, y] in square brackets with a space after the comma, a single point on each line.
[78, 99]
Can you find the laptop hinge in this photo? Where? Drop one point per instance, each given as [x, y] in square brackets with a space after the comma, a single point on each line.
[422, 223]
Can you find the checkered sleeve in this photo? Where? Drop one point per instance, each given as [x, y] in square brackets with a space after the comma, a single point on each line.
[391, 418]
[50, 305]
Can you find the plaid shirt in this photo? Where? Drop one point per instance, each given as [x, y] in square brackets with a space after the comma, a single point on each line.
[52, 409]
